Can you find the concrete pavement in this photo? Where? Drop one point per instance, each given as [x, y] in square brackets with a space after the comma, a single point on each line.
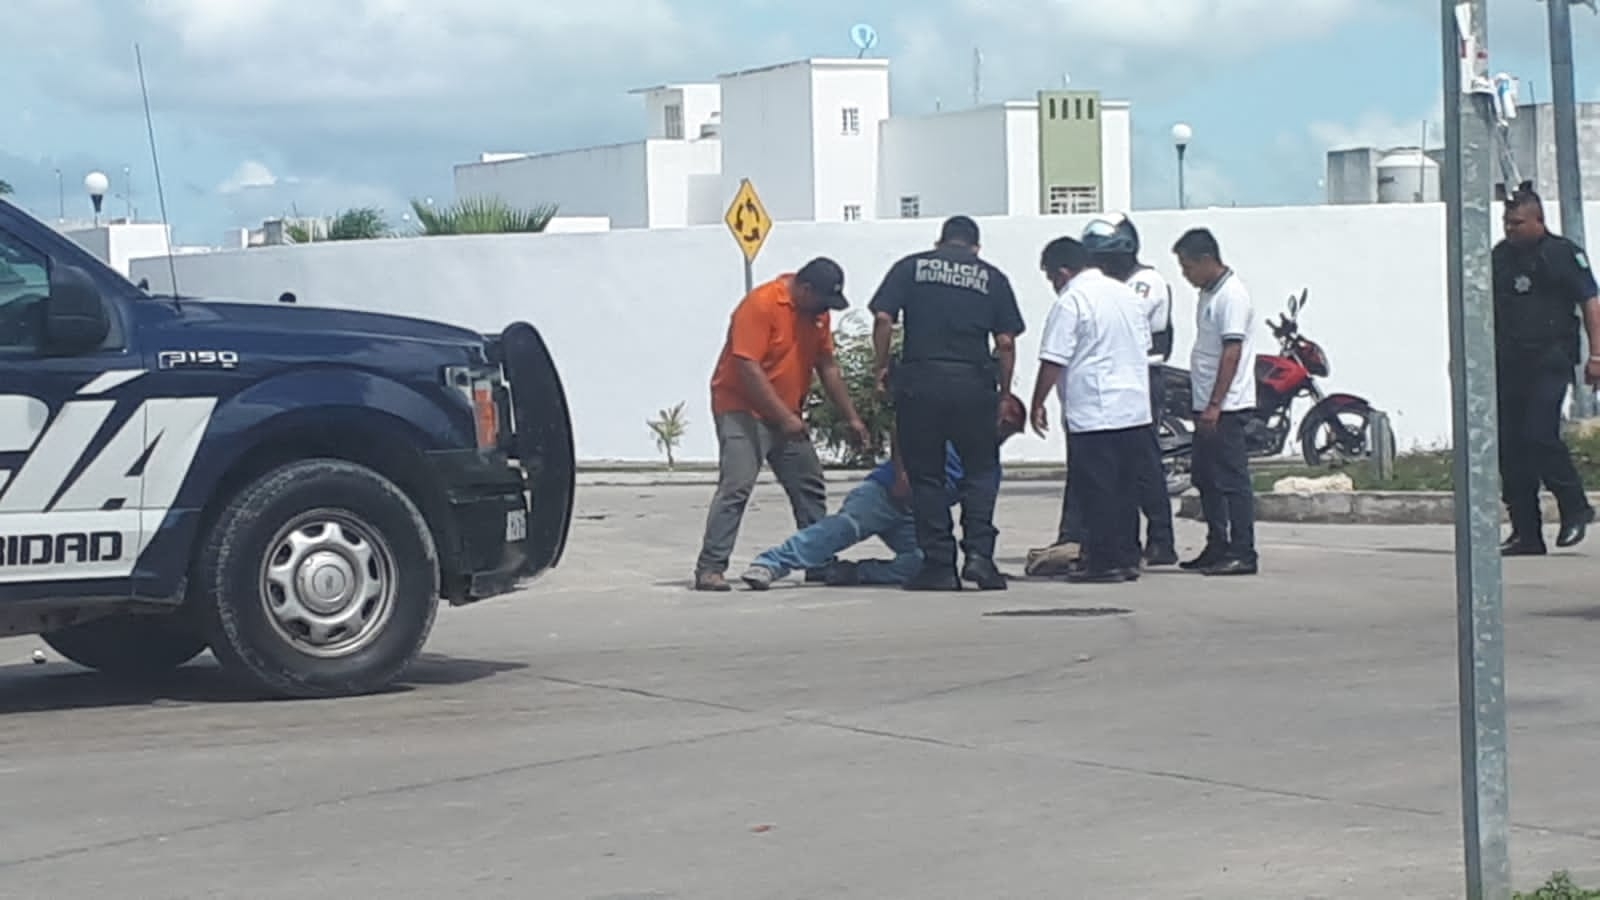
[613, 735]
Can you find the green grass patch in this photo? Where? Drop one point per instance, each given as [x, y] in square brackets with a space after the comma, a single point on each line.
[1559, 887]
[1427, 470]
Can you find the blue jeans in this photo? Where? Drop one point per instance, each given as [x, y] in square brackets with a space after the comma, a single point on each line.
[869, 510]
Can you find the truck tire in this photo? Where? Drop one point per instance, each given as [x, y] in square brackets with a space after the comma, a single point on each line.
[319, 579]
[130, 646]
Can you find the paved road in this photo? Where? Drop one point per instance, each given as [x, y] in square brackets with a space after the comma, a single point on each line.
[613, 735]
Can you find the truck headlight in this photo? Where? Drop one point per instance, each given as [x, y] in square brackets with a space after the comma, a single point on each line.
[481, 388]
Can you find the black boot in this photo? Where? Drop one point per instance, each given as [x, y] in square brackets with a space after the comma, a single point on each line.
[1575, 527]
[933, 579]
[984, 574]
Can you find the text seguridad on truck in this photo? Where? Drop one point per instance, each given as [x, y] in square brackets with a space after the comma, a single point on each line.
[293, 487]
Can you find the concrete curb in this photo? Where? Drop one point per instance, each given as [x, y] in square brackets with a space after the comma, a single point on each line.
[1362, 508]
[605, 477]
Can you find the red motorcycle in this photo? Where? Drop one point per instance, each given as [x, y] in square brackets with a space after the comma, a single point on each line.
[1338, 426]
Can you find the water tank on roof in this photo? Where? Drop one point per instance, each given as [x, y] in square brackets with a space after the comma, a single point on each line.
[713, 126]
[1407, 175]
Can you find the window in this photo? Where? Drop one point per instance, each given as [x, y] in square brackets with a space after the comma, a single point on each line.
[674, 123]
[852, 213]
[911, 207]
[850, 121]
[24, 282]
[1067, 201]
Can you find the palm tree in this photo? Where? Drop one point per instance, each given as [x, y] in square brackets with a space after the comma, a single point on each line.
[363, 224]
[482, 215]
[5, 187]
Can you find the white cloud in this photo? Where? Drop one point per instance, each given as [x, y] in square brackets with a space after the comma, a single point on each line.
[250, 175]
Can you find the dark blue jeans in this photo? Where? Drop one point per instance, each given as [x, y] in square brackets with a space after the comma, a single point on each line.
[1228, 499]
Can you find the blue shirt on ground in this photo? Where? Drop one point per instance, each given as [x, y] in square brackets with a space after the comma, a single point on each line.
[884, 474]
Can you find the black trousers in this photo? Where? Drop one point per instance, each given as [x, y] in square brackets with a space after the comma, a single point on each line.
[1107, 467]
[1227, 498]
[936, 402]
[1151, 489]
[1531, 448]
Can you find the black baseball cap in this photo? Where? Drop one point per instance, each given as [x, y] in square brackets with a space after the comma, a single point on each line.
[826, 278]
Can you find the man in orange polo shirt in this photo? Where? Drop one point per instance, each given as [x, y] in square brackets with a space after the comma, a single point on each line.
[780, 336]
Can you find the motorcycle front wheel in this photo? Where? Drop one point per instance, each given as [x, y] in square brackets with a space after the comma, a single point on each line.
[1175, 433]
[1332, 435]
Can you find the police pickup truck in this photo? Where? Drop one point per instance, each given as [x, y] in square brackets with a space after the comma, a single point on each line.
[293, 488]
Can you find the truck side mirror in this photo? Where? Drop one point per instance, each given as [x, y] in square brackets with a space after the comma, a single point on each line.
[75, 317]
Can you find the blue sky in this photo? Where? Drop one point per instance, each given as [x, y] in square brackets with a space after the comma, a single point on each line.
[267, 106]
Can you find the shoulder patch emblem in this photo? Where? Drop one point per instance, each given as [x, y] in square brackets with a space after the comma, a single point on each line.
[1583, 260]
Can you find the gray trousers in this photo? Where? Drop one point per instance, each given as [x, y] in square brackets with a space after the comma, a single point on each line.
[743, 443]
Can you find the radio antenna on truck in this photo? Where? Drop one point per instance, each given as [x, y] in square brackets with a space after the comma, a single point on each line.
[155, 160]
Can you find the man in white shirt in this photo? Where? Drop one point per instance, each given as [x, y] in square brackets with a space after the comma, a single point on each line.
[1113, 245]
[1093, 355]
[1222, 383]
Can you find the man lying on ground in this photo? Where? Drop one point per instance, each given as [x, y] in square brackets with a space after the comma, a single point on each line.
[878, 507]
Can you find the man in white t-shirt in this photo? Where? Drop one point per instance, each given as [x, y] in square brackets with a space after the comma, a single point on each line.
[1092, 354]
[1222, 385]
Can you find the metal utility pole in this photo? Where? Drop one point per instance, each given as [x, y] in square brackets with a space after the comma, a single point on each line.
[1569, 176]
[1469, 123]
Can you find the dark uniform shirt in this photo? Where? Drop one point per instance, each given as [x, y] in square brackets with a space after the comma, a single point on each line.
[1537, 294]
[951, 301]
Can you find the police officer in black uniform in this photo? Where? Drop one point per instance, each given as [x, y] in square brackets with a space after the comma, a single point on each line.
[1543, 286]
[947, 386]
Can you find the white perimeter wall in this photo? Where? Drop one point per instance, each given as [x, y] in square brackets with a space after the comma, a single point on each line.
[637, 318]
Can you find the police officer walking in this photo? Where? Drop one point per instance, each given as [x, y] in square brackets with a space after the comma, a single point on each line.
[947, 386]
[1541, 283]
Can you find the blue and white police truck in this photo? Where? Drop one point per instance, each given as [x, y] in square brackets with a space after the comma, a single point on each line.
[293, 488]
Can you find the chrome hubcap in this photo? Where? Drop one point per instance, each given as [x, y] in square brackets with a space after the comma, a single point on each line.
[328, 583]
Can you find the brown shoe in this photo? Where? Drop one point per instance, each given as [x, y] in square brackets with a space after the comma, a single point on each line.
[711, 581]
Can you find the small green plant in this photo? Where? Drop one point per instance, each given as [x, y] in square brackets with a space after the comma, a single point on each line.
[853, 349]
[481, 215]
[1559, 887]
[668, 428]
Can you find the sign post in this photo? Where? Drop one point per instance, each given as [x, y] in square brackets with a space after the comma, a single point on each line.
[750, 224]
[1469, 118]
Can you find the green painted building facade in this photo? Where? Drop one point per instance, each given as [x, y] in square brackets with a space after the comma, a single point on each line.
[1070, 170]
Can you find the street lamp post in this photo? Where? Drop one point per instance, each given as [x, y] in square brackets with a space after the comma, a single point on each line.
[1181, 135]
[96, 183]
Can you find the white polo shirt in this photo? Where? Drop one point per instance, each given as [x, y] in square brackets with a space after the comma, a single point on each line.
[1156, 293]
[1098, 331]
[1223, 312]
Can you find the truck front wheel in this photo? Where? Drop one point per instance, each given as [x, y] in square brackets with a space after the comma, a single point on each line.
[319, 579]
[127, 645]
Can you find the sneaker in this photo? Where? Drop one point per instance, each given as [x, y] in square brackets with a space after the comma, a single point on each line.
[757, 578]
[711, 581]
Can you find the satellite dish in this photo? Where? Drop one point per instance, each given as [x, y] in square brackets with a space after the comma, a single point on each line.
[864, 37]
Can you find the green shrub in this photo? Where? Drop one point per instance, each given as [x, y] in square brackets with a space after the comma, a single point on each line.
[1559, 887]
[853, 348]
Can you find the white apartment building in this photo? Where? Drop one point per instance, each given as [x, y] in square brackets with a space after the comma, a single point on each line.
[817, 140]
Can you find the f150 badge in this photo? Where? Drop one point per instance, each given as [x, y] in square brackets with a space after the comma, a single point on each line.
[198, 359]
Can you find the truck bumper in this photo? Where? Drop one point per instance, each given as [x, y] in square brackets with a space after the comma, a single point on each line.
[512, 507]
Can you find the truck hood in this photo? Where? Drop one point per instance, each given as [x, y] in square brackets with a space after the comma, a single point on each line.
[309, 321]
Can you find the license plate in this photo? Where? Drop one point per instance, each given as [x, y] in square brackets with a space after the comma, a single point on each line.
[516, 526]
